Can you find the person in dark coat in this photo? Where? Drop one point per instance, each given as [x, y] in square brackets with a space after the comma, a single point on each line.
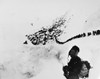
[76, 68]
[74, 65]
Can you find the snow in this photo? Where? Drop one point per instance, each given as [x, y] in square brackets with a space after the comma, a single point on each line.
[15, 18]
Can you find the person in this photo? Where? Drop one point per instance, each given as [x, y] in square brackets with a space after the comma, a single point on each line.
[74, 51]
[75, 61]
[84, 73]
[65, 70]
[74, 65]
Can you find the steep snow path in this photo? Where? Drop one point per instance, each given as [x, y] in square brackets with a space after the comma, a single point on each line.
[15, 22]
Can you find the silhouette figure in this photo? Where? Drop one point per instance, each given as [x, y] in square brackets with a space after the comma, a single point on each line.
[76, 67]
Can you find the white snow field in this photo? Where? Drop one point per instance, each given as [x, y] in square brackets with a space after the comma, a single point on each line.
[18, 61]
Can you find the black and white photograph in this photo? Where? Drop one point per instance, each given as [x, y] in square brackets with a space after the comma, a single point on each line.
[49, 39]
